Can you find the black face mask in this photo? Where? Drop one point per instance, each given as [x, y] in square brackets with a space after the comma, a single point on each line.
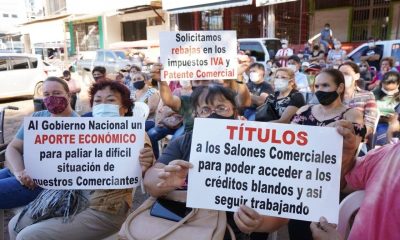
[214, 115]
[326, 98]
[139, 84]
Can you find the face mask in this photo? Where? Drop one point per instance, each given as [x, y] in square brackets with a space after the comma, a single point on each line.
[316, 48]
[293, 67]
[326, 28]
[371, 44]
[390, 93]
[214, 115]
[139, 84]
[337, 46]
[105, 110]
[348, 81]
[56, 104]
[184, 83]
[273, 69]
[281, 85]
[97, 78]
[255, 77]
[284, 45]
[363, 69]
[326, 98]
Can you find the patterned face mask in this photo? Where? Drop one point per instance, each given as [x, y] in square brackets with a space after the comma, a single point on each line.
[56, 104]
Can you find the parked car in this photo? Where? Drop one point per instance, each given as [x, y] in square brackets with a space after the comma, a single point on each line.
[52, 70]
[262, 49]
[391, 48]
[112, 60]
[21, 75]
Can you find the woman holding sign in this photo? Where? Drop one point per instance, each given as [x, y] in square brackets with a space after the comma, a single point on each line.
[171, 170]
[330, 88]
[83, 214]
[16, 186]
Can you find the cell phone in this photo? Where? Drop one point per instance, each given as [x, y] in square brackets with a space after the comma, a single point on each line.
[170, 210]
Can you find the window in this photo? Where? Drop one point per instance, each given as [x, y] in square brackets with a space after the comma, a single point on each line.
[100, 56]
[255, 50]
[212, 20]
[110, 57]
[154, 21]
[5, 15]
[34, 62]
[3, 64]
[247, 21]
[134, 30]
[14, 16]
[87, 36]
[18, 63]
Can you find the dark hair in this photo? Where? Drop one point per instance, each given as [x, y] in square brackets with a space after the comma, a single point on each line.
[379, 94]
[388, 59]
[327, 25]
[294, 58]
[214, 90]
[60, 81]
[351, 64]
[100, 69]
[258, 66]
[66, 73]
[114, 86]
[337, 76]
[135, 67]
[277, 63]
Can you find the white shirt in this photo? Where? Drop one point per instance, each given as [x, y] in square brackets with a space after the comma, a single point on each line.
[284, 52]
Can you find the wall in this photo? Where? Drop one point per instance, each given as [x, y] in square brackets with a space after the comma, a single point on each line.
[45, 32]
[338, 18]
[395, 31]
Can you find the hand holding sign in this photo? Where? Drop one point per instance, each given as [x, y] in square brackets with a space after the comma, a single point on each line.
[156, 72]
[25, 179]
[244, 64]
[174, 174]
[146, 158]
[247, 219]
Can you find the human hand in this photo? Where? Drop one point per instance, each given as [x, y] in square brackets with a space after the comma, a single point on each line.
[155, 71]
[174, 174]
[346, 129]
[25, 179]
[244, 63]
[146, 158]
[324, 230]
[247, 219]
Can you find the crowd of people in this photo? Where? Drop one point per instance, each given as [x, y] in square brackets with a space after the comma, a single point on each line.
[318, 88]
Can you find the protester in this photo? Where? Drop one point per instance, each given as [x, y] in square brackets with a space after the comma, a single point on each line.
[99, 73]
[301, 79]
[16, 186]
[357, 98]
[128, 79]
[259, 89]
[387, 98]
[365, 75]
[286, 100]
[284, 53]
[146, 94]
[372, 54]
[96, 214]
[326, 37]
[337, 55]
[170, 173]
[329, 89]
[317, 54]
[387, 64]
[74, 87]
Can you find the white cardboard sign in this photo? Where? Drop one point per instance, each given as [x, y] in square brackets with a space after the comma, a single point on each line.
[198, 55]
[83, 153]
[282, 170]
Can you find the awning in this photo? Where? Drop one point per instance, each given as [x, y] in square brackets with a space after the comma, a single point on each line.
[174, 6]
[102, 6]
[271, 2]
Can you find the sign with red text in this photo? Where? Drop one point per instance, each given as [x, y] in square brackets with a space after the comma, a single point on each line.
[282, 170]
[198, 55]
[83, 153]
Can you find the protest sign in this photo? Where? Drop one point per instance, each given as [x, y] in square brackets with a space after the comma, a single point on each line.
[283, 170]
[83, 153]
[198, 55]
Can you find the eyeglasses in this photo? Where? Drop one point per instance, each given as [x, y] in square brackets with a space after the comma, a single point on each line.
[390, 81]
[220, 110]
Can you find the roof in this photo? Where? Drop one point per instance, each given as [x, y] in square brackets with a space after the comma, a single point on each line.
[47, 19]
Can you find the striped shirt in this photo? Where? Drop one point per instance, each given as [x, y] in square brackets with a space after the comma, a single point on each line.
[365, 102]
[284, 53]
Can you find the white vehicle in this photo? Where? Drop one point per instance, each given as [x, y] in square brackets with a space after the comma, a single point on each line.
[51, 70]
[21, 75]
[391, 48]
[262, 49]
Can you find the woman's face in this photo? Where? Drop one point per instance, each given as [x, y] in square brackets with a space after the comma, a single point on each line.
[349, 71]
[137, 77]
[220, 106]
[325, 83]
[390, 84]
[107, 96]
[283, 78]
[52, 88]
[385, 66]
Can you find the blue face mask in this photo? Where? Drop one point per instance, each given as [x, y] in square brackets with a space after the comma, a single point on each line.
[105, 110]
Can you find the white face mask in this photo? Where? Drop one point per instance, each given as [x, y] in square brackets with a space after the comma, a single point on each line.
[348, 81]
[273, 69]
[337, 46]
[371, 44]
[105, 110]
[293, 67]
[390, 93]
[255, 77]
[284, 46]
[185, 83]
[281, 84]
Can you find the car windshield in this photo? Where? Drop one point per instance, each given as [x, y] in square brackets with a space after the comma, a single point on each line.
[120, 55]
[273, 45]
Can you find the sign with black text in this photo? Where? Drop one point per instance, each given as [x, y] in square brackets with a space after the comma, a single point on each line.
[282, 170]
[198, 55]
[83, 153]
